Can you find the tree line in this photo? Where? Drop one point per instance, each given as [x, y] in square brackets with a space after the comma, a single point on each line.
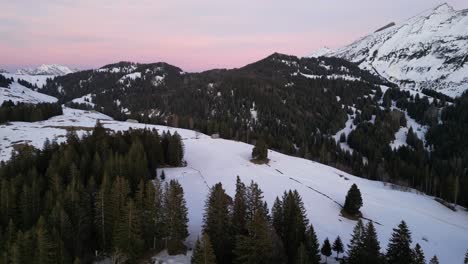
[92, 198]
[242, 230]
[9, 111]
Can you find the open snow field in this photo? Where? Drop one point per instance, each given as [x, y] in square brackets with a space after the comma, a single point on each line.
[436, 228]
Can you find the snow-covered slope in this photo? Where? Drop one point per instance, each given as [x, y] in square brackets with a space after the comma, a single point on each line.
[46, 69]
[38, 80]
[439, 230]
[429, 50]
[325, 51]
[18, 93]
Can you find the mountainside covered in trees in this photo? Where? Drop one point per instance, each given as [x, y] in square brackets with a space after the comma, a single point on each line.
[324, 109]
[84, 173]
[427, 51]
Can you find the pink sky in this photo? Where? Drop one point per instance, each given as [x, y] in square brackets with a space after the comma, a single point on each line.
[192, 34]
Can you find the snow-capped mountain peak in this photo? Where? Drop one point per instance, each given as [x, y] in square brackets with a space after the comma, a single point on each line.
[46, 69]
[321, 52]
[429, 50]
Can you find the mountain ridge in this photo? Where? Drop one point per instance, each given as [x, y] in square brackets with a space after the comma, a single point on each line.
[426, 51]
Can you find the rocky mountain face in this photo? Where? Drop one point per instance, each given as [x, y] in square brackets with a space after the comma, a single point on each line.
[429, 50]
[46, 69]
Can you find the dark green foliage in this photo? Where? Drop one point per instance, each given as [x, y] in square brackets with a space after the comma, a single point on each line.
[399, 247]
[260, 151]
[5, 82]
[356, 245]
[10, 111]
[338, 246]
[217, 223]
[175, 218]
[326, 249]
[434, 260]
[312, 246]
[239, 211]
[353, 200]
[302, 256]
[466, 257]
[294, 222]
[418, 255]
[163, 176]
[203, 252]
[258, 245]
[66, 202]
[371, 245]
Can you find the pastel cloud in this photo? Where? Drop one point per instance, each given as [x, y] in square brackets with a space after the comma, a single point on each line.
[193, 34]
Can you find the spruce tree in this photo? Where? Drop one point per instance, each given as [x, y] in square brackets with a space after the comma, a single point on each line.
[434, 260]
[353, 200]
[326, 249]
[239, 210]
[466, 257]
[260, 151]
[216, 223]
[302, 256]
[312, 246]
[371, 245]
[127, 236]
[295, 223]
[277, 216]
[175, 217]
[418, 255]
[338, 246]
[356, 245]
[45, 247]
[399, 250]
[203, 252]
[256, 246]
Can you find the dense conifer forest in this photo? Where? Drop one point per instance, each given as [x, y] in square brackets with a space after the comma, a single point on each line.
[279, 101]
[25, 112]
[92, 197]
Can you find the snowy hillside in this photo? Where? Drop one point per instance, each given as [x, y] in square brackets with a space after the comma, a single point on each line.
[46, 69]
[439, 230]
[38, 80]
[18, 93]
[429, 50]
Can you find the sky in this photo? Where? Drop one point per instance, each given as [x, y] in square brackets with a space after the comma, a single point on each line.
[195, 35]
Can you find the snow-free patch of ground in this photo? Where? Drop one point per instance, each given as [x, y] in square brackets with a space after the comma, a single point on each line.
[436, 228]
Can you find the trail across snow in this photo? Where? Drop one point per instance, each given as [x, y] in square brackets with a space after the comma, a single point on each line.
[436, 228]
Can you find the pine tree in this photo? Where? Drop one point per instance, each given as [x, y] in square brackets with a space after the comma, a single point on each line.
[295, 223]
[312, 245]
[371, 245]
[356, 245]
[163, 176]
[239, 210]
[278, 217]
[302, 256]
[175, 217]
[127, 236]
[103, 214]
[466, 257]
[418, 255]
[434, 260]
[45, 248]
[326, 249]
[399, 250]
[216, 223]
[203, 252]
[256, 246]
[260, 151]
[353, 200]
[338, 246]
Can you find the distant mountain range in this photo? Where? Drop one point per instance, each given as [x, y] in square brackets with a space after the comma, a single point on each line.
[46, 69]
[429, 50]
